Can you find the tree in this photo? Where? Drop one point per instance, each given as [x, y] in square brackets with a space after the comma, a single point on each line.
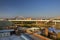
[26, 25]
[50, 23]
[4, 24]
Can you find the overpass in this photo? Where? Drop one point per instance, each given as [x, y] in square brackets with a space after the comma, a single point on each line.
[36, 20]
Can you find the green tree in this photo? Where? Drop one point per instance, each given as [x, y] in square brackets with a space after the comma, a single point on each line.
[26, 25]
[4, 24]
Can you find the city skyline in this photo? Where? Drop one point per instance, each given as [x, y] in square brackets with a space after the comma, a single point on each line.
[29, 8]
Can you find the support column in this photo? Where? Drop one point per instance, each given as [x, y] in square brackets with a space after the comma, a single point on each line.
[55, 22]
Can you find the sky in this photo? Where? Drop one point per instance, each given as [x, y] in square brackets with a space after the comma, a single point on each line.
[29, 8]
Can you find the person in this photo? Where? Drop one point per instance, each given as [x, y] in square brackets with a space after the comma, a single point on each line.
[52, 32]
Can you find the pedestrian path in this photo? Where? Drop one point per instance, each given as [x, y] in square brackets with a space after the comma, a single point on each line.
[34, 37]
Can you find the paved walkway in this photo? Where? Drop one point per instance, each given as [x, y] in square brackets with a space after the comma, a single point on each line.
[34, 37]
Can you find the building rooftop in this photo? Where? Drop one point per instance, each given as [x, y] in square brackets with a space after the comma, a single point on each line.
[6, 30]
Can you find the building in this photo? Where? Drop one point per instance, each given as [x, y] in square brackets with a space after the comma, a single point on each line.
[5, 33]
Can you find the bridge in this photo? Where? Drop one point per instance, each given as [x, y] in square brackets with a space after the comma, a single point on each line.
[36, 20]
[55, 21]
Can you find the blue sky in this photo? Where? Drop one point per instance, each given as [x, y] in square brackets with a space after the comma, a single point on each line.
[29, 8]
